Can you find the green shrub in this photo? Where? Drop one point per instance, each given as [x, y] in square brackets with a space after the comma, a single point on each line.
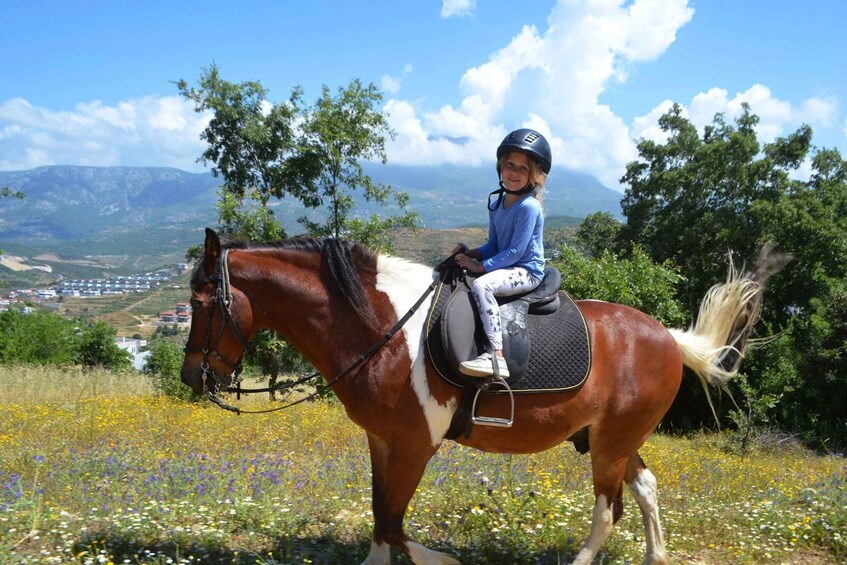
[163, 366]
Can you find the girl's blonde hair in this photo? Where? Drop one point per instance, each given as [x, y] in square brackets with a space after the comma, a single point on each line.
[537, 176]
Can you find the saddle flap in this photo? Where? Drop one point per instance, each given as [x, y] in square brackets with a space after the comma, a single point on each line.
[461, 333]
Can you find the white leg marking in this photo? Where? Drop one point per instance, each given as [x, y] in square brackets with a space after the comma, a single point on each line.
[380, 554]
[644, 489]
[403, 282]
[601, 527]
[423, 556]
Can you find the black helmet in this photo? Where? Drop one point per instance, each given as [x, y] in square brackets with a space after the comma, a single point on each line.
[530, 142]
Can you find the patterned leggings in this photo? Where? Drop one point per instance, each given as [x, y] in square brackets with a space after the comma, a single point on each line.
[502, 282]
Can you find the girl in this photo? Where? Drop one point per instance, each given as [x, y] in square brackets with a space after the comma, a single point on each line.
[512, 260]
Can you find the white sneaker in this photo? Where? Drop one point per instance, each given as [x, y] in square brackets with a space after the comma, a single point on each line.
[483, 367]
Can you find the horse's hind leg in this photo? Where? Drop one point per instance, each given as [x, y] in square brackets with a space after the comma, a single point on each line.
[643, 485]
[397, 470]
[608, 476]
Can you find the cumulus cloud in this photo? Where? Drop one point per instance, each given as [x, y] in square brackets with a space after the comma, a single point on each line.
[451, 8]
[161, 131]
[549, 76]
[776, 117]
[391, 85]
[557, 73]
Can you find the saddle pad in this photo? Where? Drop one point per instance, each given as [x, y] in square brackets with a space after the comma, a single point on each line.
[559, 356]
[559, 350]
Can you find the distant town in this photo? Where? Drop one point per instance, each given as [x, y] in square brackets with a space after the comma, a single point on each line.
[87, 288]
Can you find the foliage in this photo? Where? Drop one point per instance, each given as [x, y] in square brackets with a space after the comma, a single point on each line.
[44, 338]
[341, 131]
[97, 348]
[163, 366]
[635, 281]
[37, 337]
[692, 199]
[252, 144]
[598, 233]
[103, 476]
[264, 150]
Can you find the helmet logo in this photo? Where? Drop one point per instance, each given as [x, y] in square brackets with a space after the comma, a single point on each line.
[531, 137]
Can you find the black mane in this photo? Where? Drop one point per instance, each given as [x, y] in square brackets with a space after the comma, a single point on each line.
[345, 260]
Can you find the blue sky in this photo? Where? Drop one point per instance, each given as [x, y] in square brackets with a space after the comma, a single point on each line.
[90, 82]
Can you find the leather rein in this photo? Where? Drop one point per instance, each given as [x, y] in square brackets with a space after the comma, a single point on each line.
[221, 300]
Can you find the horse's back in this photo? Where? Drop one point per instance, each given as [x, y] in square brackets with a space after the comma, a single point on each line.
[632, 353]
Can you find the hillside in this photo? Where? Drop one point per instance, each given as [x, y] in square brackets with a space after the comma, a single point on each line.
[81, 222]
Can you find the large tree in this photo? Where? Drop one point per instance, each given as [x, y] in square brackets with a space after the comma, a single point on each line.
[268, 151]
[692, 198]
[342, 131]
[253, 145]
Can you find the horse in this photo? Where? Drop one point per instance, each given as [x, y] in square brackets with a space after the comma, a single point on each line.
[333, 300]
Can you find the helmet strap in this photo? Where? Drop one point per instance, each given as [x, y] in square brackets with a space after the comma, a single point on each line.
[502, 191]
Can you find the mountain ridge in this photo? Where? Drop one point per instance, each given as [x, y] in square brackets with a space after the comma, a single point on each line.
[147, 216]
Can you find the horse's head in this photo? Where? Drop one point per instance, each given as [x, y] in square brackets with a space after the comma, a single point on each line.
[221, 318]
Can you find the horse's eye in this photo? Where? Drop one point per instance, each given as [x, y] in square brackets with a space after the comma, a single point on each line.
[195, 304]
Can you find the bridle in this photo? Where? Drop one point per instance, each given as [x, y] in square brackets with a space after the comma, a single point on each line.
[222, 298]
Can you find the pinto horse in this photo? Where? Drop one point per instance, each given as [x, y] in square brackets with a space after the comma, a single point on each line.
[334, 300]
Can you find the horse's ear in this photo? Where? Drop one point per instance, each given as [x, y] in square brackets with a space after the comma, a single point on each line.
[212, 250]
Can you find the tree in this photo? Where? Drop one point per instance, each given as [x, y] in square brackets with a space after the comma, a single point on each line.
[598, 233]
[163, 366]
[261, 153]
[254, 146]
[6, 192]
[37, 337]
[692, 199]
[341, 131]
[97, 348]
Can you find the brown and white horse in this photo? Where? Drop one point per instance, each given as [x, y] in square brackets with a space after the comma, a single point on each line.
[333, 300]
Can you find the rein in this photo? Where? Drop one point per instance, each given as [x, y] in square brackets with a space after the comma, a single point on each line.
[223, 296]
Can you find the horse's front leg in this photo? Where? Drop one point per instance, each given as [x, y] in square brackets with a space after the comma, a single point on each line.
[397, 468]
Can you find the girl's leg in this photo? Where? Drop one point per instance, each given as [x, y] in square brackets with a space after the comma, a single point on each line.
[502, 282]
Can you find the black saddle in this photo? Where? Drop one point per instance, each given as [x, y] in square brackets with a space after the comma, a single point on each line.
[545, 339]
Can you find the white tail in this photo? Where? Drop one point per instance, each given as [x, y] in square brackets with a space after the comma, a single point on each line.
[714, 346]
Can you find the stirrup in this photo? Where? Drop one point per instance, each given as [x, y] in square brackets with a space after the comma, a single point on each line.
[489, 421]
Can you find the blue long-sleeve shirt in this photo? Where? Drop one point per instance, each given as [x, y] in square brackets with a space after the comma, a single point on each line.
[515, 237]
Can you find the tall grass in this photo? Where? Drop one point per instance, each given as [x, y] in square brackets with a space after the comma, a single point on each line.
[95, 469]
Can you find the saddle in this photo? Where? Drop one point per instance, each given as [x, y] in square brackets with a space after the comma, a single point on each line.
[545, 341]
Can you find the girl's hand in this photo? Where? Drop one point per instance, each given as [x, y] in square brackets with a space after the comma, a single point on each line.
[468, 264]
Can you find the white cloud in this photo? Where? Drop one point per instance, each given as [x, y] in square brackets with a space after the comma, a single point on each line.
[776, 117]
[450, 8]
[389, 84]
[161, 131]
[554, 76]
[392, 85]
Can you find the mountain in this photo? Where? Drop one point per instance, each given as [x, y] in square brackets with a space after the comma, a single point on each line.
[75, 203]
[451, 196]
[144, 216]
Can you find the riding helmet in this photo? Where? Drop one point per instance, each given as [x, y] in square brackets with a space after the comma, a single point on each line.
[530, 142]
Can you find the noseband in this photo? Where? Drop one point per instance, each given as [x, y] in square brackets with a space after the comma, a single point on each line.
[221, 300]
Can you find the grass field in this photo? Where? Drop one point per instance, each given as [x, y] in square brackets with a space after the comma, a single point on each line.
[94, 468]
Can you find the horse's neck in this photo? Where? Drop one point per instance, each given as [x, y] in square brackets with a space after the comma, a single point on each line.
[288, 295]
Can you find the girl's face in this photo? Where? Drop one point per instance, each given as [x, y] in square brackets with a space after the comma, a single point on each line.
[514, 171]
